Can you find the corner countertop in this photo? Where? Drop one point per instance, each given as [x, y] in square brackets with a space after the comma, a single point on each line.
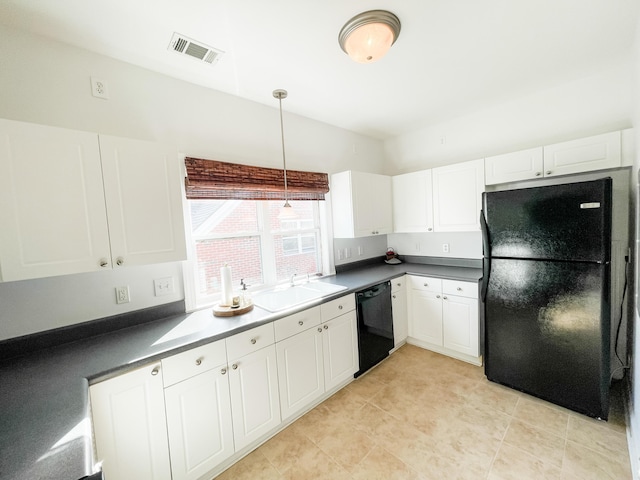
[45, 425]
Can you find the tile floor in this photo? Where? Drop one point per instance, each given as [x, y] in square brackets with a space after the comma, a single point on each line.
[420, 415]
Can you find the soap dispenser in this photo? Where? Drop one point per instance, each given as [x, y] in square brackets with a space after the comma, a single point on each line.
[245, 296]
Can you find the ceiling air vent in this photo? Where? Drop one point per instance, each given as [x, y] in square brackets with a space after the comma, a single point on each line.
[198, 50]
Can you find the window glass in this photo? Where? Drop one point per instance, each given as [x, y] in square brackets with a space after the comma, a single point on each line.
[250, 236]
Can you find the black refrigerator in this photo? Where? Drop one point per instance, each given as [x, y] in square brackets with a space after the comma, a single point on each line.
[546, 292]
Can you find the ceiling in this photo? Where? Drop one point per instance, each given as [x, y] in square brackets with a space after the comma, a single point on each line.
[452, 56]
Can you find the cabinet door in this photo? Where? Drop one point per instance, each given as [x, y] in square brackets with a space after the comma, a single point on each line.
[457, 196]
[513, 167]
[300, 371]
[199, 423]
[583, 155]
[460, 320]
[412, 202]
[53, 212]
[142, 184]
[399, 309]
[255, 401]
[130, 426]
[372, 204]
[340, 349]
[425, 321]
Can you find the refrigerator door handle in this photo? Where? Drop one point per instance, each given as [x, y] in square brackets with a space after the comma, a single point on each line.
[486, 261]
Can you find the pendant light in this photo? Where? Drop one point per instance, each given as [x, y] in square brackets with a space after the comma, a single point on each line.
[368, 36]
[286, 212]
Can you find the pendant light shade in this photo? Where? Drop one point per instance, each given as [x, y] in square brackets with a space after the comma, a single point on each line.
[367, 37]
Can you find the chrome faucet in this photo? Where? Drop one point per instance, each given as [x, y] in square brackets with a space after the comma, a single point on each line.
[292, 281]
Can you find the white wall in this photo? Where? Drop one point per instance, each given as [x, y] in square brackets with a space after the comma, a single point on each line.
[598, 103]
[47, 82]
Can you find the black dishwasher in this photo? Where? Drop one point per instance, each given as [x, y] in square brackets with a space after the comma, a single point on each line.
[375, 325]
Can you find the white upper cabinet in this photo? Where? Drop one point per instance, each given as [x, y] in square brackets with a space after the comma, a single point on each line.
[52, 208]
[457, 196]
[144, 204]
[583, 155]
[412, 202]
[514, 167]
[60, 216]
[361, 204]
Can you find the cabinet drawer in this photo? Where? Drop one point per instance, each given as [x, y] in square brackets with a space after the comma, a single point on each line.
[250, 341]
[461, 289]
[398, 284]
[296, 323]
[427, 284]
[336, 307]
[192, 362]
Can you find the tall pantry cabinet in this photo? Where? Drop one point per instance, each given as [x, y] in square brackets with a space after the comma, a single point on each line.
[75, 202]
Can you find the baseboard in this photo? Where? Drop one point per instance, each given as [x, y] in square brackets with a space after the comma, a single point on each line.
[632, 433]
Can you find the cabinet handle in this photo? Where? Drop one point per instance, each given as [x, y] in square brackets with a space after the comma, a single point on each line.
[119, 261]
[253, 341]
[437, 296]
[538, 174]
[326, 327]
[459, 289]
[393, 296]
[223, 371]
[426, 284]
[320, 329]
[429, 229]
[548, 172]
[300, 323]
[155, 371]
[234, 366]
[103, 262]
[399, 284]
[339, 307]
[199, 361]
[444, 298]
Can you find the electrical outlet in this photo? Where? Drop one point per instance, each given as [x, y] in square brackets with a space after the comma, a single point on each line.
[445, 247]
[163, 286]
[99, 88]
[122, 294]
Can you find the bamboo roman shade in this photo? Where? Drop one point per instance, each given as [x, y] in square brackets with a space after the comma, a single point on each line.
[214, 180]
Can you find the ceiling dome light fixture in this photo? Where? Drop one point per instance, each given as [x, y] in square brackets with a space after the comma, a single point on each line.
[368, 36]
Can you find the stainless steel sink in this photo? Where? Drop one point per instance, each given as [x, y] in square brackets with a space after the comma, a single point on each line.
[282, 298]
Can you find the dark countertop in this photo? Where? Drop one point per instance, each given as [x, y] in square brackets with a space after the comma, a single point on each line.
[45, 424]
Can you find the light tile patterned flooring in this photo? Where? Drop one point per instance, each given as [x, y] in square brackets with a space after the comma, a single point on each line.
[420, 415]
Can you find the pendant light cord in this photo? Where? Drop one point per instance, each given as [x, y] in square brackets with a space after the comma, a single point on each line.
[284, 160]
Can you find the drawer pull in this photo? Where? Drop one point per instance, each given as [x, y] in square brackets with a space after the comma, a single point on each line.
[119, 261]
[320, 329]
[393, 296]
[339, 307]
[444, 298]
[103, 262]
[199, 361]
[459, 289]
[234, 366]
[155, 371]
[223, 371]
[326, 327]
[253, 341]
[300, 323]
[437, 296]
[426, 284]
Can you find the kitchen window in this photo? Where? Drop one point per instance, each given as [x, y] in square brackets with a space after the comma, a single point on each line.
[249, 236]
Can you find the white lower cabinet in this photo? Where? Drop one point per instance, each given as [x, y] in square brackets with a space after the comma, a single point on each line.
[130, 425]
[399, 310]
[321, 356]
[198, 409]
[186, 417]
[254, 396]
[443, 316]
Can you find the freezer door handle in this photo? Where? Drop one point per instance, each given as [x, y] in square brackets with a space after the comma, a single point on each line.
[486, 252]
